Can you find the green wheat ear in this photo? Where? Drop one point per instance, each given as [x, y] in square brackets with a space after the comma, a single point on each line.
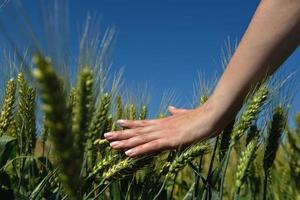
[31, 129]
[57, 119]
[143, 113]
[274, 135]
[131, 112]
[7, 107]
[243, 123]
[125, 167]
[243, 164]
[225, 140]
[250, 113]
[275, 131]
[83, 109]
[97, 127]
[26, 116]
[119, 108]
[185, 157]
[203, 99]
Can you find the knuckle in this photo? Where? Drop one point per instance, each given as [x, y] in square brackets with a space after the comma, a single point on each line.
[126, 132]
[143, 137]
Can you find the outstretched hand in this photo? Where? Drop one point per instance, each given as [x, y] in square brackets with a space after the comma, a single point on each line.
[182, 128]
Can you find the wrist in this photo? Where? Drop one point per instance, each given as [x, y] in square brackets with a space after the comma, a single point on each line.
[216, 114]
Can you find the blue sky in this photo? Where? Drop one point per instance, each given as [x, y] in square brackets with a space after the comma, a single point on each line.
[166, 43]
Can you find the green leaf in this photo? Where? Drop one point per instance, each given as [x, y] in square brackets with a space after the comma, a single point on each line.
[115, 191]
[39, 188]
[7, 144]
[216, 174]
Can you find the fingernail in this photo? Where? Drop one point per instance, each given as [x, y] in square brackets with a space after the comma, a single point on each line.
[115, 144]
[109, 134]
[121, 121]
[129, 152]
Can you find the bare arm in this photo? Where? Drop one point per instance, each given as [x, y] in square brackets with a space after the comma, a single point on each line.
[272, 35]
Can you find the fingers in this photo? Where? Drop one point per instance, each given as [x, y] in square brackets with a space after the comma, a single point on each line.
[134, 141]
[147, 148]
[126, 134]
[135, 123]
[173, 110]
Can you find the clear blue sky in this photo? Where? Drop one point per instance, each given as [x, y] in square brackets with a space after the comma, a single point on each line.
[166, 43]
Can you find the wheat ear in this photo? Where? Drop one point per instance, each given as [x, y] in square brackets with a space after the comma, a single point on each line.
[7, 107]
[83, 108]
[243, 164]
[58, 121]
[275, 131]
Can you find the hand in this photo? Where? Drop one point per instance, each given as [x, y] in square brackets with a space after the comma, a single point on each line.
[182, 128]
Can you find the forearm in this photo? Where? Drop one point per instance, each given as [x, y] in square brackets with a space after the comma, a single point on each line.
[273, 34]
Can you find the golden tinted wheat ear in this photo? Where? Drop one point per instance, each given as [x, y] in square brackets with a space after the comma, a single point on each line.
[83, 109]
[105, 163]
[31, 118]
[26, 116]
[22, 91]
[7, 107]
[274, 135]
[58, 120]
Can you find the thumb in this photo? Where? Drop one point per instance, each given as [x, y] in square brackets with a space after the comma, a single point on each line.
[173, 110]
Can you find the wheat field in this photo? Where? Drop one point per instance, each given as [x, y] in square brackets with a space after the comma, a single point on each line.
[52, 147]
[64, 156]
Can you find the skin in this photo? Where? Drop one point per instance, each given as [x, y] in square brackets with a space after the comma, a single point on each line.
[272, 35]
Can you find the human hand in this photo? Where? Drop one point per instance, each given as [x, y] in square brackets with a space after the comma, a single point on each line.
[182, 128]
